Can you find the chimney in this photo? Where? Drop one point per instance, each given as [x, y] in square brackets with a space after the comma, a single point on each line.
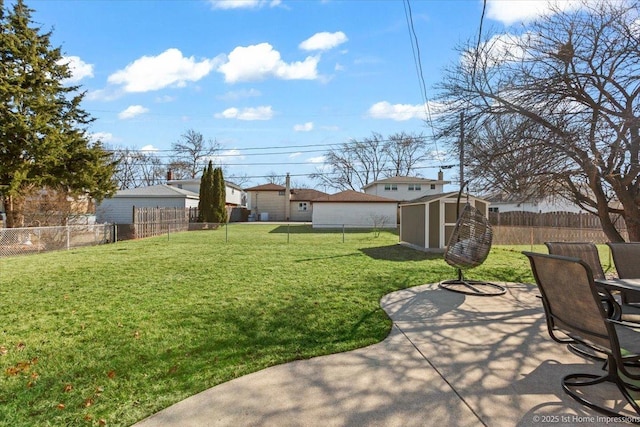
[287, 198]
[169, 175]
[440, 175]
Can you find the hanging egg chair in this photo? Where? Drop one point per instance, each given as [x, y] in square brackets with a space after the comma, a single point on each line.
[468, 247]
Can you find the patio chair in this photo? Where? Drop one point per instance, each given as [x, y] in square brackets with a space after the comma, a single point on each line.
[587, 252]
[573, 308]
[468, 247]
[626, 257]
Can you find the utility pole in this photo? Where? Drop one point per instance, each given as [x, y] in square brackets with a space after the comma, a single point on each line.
[461, 149]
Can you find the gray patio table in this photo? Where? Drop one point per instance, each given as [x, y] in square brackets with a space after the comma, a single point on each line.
[612, 285]
[628, 285]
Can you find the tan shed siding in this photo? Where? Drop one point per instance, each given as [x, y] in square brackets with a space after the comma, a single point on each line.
[413, 223]
[434, 225]
[482, 207]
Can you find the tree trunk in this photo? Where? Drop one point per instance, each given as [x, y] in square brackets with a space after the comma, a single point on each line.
[13, 208]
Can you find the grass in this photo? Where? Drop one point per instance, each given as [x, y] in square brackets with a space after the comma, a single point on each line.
[108, 335]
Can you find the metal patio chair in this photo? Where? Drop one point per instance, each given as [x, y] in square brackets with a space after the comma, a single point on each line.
[626, 257]
[574, 310]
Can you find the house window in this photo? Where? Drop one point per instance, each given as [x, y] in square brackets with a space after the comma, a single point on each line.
[390, 187]
[415, 187]
[281, 193]
[494, 209]
[433, 186]
[302, 206]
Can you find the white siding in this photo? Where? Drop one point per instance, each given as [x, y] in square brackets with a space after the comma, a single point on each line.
[334, 214]
[119, 210]
[232, 195]
[403, 193]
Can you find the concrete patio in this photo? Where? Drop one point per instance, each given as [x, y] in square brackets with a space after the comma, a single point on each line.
[450, 360]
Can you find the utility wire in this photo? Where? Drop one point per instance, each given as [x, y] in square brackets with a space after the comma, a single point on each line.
[415, 49]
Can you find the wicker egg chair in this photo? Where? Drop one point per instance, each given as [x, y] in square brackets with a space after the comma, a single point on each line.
[468, 247]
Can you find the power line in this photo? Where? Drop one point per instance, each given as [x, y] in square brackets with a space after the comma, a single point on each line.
[415, 49]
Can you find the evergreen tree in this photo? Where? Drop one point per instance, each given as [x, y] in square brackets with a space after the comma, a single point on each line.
[205, 195]
[220, 207]
[43, 130]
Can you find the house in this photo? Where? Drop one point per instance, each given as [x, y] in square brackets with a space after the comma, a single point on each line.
[234, 194]
[502, 202]
[405, 188]
[119, 208]
[427, 223]
[273, 202]
[353, 209]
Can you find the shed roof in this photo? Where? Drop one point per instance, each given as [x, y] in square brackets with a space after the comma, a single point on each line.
[432, 197]
[350, 196]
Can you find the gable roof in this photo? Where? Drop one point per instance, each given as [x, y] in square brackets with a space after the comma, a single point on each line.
[306, 194]
[161, 190]
[267, 187]
[196, 181]
[405, 180]
[350, 196]
[432, 197]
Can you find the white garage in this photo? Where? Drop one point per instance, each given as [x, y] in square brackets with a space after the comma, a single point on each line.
[352, 209]
[119, 208]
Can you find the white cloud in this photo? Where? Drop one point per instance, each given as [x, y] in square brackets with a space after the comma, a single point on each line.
[149, 148]
[227, 156]
[101, 136]
[294, 155]
[499, 49]
[510, 11]
[132, 111]
[398, 112]
[249, 114]
[79, 69]
[319, 159]
[258, 62]
[169, 68]
[165, 98]
[305, 127]
[243, 4]
[240, 94]
[324, 41]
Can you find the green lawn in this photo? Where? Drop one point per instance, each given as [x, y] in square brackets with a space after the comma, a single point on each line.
[111, 334]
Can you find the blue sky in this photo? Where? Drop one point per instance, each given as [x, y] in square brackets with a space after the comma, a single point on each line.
[276, 83]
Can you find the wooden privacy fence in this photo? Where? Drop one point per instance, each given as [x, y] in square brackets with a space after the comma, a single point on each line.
[148, 222]
[518, 235]
[551, 219]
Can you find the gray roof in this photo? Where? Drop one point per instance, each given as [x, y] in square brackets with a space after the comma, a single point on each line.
[161, 190]
[432, 197]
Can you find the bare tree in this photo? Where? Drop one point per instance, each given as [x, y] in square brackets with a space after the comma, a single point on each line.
[406, 153]
[191, 154]
[274, 177]
[137, 168]
[354, 164]
[563, 94]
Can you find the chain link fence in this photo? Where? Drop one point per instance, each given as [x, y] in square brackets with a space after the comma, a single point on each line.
[30, 240]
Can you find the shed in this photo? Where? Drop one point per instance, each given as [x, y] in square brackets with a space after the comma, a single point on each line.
[427, 223]
[119, 208]
[353, 209]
